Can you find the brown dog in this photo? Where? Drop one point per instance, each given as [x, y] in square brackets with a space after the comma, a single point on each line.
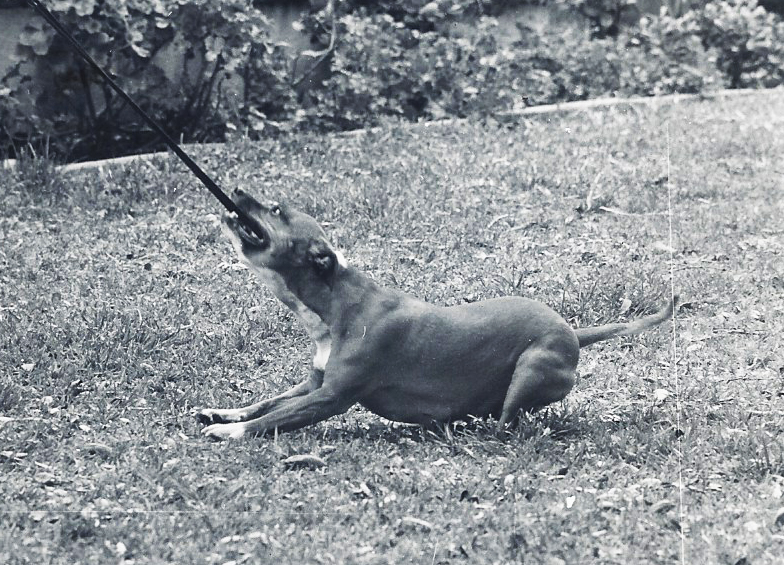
[399, 357]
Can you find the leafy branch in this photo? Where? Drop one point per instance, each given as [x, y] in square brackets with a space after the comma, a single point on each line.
[319, 56]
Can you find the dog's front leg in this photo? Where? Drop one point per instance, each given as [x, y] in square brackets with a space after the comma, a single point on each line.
[290, 414]
[223, 416]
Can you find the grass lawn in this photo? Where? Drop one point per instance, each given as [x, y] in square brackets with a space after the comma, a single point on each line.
[122, 308]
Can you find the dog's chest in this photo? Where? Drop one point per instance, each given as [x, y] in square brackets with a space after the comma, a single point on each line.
[313, 324]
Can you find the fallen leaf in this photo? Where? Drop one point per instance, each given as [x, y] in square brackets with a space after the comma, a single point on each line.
[327, 449]
[37, 515]
[364, 490]
[171, 463]
[662, 506]
[411, 521]
[608, 505]
[660, 394]
[663, 247]
[305, 460]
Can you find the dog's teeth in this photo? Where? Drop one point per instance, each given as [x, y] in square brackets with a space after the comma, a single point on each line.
[233, 215]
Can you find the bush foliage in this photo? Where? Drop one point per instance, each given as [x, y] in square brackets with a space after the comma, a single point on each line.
[408, 59]
[132, 40]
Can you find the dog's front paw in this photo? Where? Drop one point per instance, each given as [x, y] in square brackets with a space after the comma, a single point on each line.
[203, 415]
[211, 416]
[224, 431]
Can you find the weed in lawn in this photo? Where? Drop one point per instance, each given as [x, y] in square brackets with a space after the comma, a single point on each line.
[34, 179]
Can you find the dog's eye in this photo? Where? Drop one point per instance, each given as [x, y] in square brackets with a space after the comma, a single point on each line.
[275, 210]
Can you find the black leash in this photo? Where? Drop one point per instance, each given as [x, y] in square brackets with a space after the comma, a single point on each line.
[203, 177]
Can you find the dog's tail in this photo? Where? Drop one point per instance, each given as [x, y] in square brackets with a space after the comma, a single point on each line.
[587, 336]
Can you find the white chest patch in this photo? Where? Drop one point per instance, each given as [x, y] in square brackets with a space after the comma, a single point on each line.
[323, 349]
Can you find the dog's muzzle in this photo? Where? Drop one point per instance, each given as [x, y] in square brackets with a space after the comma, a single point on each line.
[246, 233]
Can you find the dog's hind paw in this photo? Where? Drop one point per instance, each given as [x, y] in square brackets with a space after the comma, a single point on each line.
[224, 431]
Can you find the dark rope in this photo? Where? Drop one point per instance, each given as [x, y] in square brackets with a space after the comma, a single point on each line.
[191, 164]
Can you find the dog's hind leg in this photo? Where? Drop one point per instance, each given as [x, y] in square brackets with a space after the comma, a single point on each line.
[544, 374]
[223, 416]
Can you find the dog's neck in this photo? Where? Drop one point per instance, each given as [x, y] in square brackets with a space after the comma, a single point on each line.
[318, 303]
[330, 302]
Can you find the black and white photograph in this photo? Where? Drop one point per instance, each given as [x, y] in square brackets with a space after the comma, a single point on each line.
[441, 282]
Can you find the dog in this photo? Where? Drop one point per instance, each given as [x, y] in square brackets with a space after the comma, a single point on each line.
[399, 357]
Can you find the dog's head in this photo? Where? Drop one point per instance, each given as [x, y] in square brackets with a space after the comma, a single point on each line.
[291, 240]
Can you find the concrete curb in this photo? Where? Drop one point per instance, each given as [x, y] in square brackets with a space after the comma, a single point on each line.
[127, 159]
[581, 105]
[511, 115]
[88, 165]
[635, 101]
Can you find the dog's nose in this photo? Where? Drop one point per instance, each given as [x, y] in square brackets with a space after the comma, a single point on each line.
[238, 192]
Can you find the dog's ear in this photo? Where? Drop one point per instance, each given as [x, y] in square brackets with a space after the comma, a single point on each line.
[321, 258]
[316, 254]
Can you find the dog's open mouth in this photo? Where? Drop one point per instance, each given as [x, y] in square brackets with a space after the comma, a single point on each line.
[245, 232]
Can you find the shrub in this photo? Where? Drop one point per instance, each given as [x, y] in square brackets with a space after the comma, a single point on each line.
[125, 37]
[405, 59]
[749, 41]
[421, 64]
[400, 59]
[666, 55]
[605, 17]
[433, 67]
[382, 67]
